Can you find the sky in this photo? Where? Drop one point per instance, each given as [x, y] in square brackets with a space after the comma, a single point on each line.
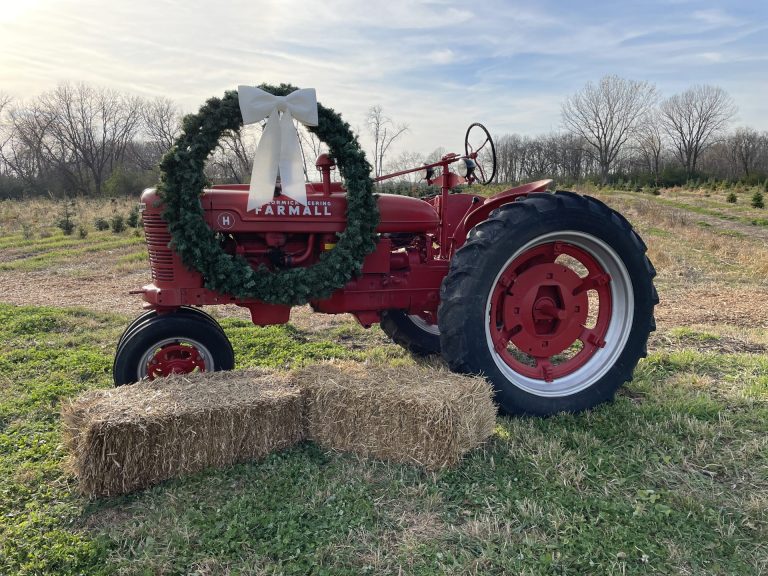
[436, 66]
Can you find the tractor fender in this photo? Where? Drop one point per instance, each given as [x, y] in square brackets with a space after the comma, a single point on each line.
[482, 212]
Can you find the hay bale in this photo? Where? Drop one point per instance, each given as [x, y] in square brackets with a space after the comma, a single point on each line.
[131, 437]
[411, 414]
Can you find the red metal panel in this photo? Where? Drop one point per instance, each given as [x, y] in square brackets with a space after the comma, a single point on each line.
[482, 211]
[225, 211]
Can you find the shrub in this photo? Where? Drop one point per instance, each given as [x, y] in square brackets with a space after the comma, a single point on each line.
[82, 231]
[66, 223]
[117, 223]
[757, 200]
[101, 224]
[731, 198]
[133, 217]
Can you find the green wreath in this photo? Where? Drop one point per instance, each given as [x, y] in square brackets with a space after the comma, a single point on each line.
[182, 182]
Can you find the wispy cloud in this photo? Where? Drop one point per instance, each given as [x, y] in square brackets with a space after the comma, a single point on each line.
[716, 18]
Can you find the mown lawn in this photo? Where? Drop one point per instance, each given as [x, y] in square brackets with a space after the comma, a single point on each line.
[671, 478]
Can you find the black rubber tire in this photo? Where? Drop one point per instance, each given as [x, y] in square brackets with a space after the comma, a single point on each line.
[204, 331]
[189, 310]
[406, 333]
[465, 296]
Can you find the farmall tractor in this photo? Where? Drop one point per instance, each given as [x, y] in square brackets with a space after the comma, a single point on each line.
[550, 296]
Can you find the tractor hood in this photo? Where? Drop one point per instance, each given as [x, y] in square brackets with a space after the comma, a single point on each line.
[225, 211]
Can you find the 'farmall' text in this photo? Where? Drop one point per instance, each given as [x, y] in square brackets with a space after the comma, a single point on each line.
[291, 208]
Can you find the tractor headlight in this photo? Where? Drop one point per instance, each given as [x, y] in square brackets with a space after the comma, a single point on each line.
[465, 167]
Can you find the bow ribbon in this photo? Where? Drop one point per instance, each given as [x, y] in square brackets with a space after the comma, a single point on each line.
[279, 147]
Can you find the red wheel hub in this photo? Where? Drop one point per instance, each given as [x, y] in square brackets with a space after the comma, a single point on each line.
[540, 309]
[175, 359]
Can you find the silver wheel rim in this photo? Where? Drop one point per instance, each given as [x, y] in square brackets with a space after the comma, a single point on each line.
[205, 354]
[619, 327]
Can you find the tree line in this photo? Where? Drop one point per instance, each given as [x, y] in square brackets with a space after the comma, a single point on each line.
[622, 130]
[81, 140]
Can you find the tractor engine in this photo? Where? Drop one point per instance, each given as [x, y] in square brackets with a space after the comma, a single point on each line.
[286, 234]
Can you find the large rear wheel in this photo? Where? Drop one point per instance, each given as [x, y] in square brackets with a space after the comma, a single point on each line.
[414, 333]
[172, 344]
[552, 300]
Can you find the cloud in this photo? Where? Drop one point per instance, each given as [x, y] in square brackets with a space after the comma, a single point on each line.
[434, 64]
[444, 56]
[716, 18]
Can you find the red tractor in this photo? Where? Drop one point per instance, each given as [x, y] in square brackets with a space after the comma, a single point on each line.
[549, 295]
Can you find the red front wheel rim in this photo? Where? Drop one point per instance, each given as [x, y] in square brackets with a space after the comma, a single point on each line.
[174, 356]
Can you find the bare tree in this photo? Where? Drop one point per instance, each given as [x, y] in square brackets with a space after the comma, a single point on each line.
[161, 124]
[232, 161]
[694, 119]
[23, 148]
[384, 132]
[508, 157]
[5, 132]
[605, 115]
[571, 162]
[311, 148]
[81, 131]
[745, 146]
[540, 157]
[650, 144]
[405, 161]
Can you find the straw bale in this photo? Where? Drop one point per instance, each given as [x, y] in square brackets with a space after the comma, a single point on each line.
[131, 437]
[411, 414]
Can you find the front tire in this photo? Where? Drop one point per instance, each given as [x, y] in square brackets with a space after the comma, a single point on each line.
[552, 300]
[145, 316]
[172, 344]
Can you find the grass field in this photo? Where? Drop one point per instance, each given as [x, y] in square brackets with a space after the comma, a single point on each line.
[671, 478]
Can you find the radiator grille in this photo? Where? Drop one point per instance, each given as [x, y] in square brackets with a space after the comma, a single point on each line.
[160, 255]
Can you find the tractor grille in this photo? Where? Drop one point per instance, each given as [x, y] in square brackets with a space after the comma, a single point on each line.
[160, 255]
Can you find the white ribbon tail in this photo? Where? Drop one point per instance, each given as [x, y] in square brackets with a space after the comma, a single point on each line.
[265, 164]
[291, 161]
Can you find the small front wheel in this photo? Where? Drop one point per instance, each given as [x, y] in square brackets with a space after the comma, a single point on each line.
[172, 344]
[144, 317]
[552, 300]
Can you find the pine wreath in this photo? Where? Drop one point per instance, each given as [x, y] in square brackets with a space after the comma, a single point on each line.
[182, 182]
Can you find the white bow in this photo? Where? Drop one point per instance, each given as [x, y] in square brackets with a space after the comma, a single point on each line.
[279, 146]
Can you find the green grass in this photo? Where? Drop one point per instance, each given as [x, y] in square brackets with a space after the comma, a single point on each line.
[716, 208]
[670, 478]
[44, 253]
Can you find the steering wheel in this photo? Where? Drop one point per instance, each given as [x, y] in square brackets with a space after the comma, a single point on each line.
[478, 146]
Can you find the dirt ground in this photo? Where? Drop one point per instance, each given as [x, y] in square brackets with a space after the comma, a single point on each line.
[90, 286]
[108, 291]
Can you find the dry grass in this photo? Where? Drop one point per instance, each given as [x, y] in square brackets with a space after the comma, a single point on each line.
[711, 271]
[38, 217]
[128, 438]
[697, 244]
[413, 414]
